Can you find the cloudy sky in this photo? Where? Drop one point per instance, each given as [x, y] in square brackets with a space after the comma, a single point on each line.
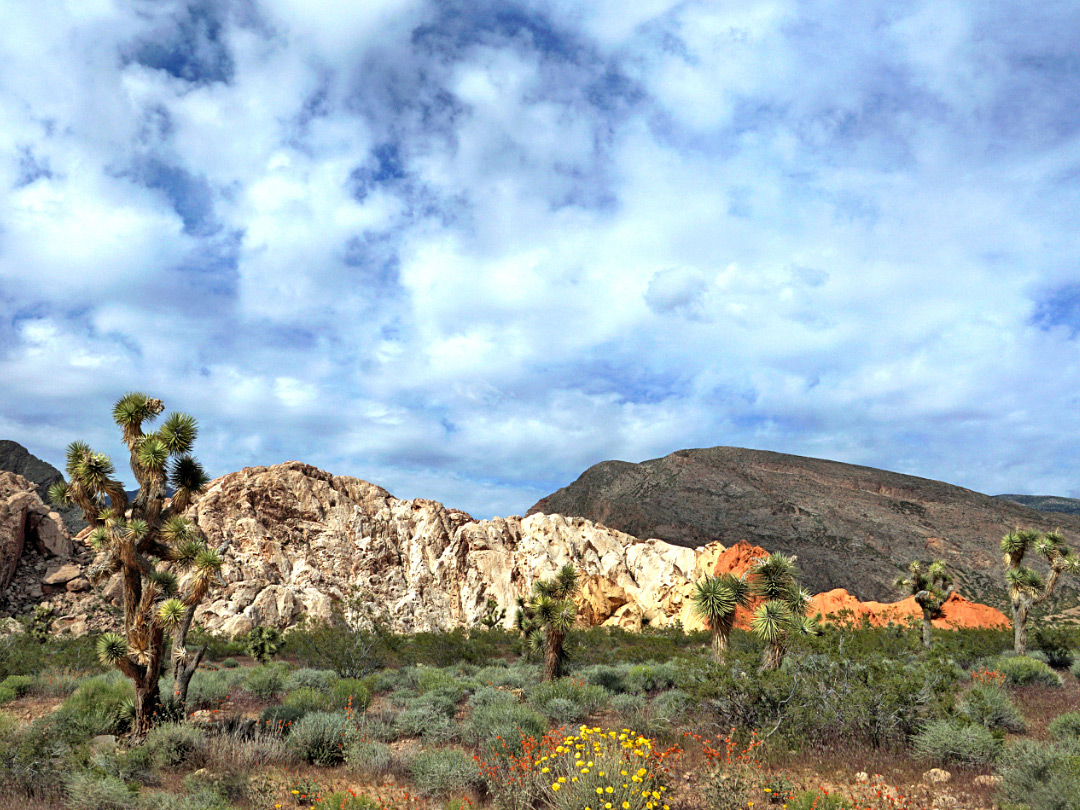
[466, 250]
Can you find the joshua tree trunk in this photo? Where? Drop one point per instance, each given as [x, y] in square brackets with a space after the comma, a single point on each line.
[553, 655]
[147, 699]
[719, 644]
[927, 627]
[1020, 618]
[774, 655]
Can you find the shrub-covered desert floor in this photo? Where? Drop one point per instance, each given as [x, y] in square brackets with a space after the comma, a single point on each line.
[856, 717]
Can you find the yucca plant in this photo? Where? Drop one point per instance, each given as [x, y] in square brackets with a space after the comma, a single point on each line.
[783, 611]
[1025, 586]
[715, 600]
[164, 562]
[546, 617]
[931, 589]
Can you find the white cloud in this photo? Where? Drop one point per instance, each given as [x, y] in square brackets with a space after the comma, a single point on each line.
[468, 251]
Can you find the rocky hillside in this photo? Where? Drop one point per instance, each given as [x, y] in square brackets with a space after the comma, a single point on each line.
[301, 540]
[15, 458]
[1046, 503]
[851, 527]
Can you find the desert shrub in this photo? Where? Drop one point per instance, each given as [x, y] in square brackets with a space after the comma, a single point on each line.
[1065, 726]
[279, 719]
[1075, 668]
[1027, 671]
[490, 696]
[308, 700]
[492, 722]
[437, 680]
[817, 800]
[308, 678]
[427, 719]
[103, 704]
[209, 689]
[86, 791]
[629, 708]
[334, 646]
[319, 738]
[126, 764]
[230, 663]
[989, 706]
[1056, 644]
[369, 757]
[1039, 776]
[443, 771]
[957, 743]
[377, 726]
[242, 751]
[175, 744]
[56, 683]
[18, 685]
[345, 800]
[610, 677]
[7, 694]
[352, 692]
[263, 643]
[516, 676]
[21, 654]
[822, 699]
[218, 646]
[266, 681]
[650, 677]
[567, 699]
[672, 704]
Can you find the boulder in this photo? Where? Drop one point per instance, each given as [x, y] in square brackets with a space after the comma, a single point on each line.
[61, 574]
[26, 521]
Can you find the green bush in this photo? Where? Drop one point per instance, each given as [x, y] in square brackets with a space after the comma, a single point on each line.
[427, 719]
[319, 738]
[517, 676]
[103, 704]
[279, 719]
[263, 643]
[352, 692]
[368, 757]
[1065, 726]
[817, 800]
[210, 688]
[508, 721]
[1075, 669]
[957, 743]
[7, 694]
[308, 700]
[567, 699]
[437, 680]
[1027, 671]
[230, 663]
[1056, 644]
[18, 684]
[1038, 776]
[342, 800]
[443, 771]
[651, 677]
[610, 677]
[86, 791]
[175, 744]
[308, 678]
[630, 709]
[266, 681]
[987, 705]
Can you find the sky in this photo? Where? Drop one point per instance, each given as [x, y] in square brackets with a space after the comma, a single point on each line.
[465, 250]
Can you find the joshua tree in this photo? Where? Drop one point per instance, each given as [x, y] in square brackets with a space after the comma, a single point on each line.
[715, 600]
[783, 613]
[164, 562]
[931, 589]
[547, 617]
[1025, 586]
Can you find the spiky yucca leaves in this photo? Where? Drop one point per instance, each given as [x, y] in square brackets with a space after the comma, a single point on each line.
[547, 616]
[783, 613]
[931, 588]
[1026, 588]
[715, 600]
[163, 560]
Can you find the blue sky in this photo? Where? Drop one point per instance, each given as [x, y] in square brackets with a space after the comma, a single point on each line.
[466, 250]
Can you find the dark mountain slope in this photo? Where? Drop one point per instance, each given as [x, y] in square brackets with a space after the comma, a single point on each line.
[852, 527]
[1046, 503]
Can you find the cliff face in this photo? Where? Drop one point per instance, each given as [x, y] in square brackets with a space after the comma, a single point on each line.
[302, 540]
[851, 527]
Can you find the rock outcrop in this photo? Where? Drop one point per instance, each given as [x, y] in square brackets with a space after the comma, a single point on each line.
[851, 527]
[957, 611]
[17, 459]
[26, 521]
[302, 540]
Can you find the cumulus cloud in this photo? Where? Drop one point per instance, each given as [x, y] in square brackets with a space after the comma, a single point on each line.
[466, 250]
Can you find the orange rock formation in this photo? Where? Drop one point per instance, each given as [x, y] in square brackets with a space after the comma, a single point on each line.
[958, 611]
